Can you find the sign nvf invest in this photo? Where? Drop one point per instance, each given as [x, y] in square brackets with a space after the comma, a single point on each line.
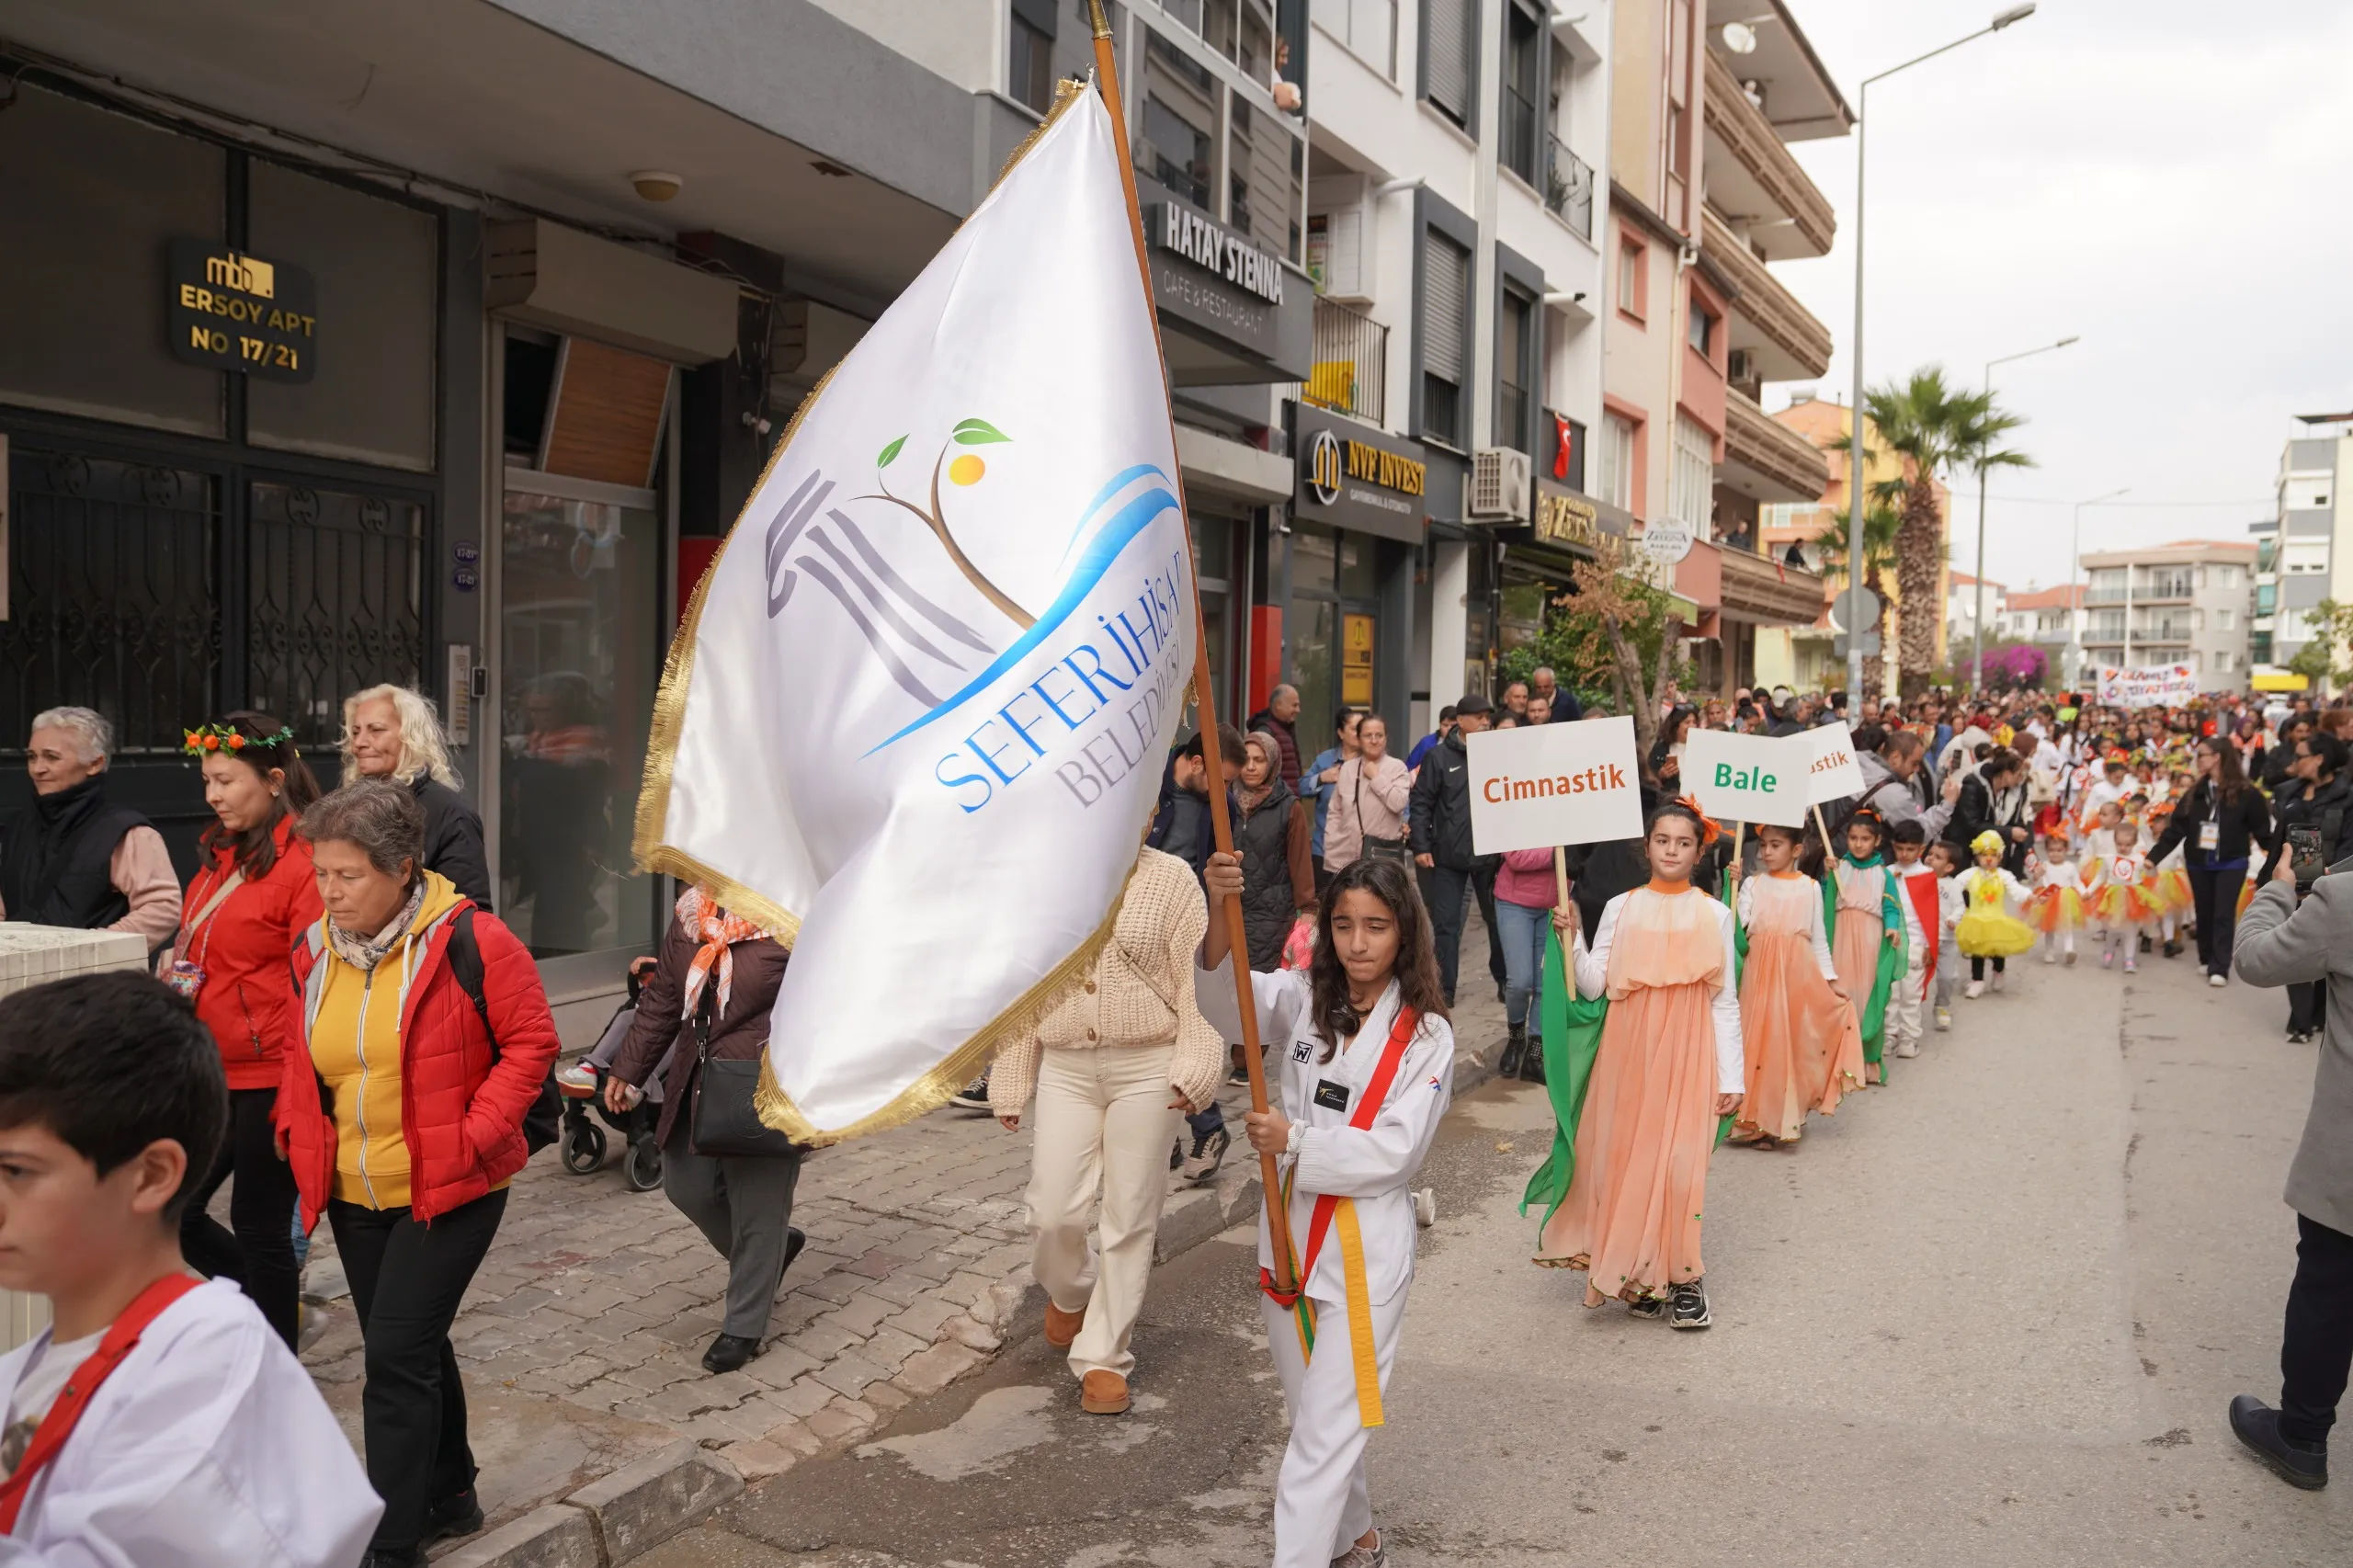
[1752, 779]
[1548, 784]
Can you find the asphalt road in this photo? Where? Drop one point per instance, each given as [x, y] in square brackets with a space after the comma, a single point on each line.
[1989, 1315]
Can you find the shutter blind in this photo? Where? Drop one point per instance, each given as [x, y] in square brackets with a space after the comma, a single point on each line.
[1446, 74]
[1445, 287]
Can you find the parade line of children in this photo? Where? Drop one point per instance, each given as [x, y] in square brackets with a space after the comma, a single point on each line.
[1682, 1020]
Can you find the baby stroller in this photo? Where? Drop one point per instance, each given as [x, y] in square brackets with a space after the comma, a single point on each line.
[584, 1140]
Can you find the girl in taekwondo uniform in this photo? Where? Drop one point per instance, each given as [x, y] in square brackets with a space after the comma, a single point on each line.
[1359, 1045]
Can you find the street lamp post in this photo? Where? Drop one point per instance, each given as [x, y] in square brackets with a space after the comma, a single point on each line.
[1978, 620]
[1857, 455]
[2081, 607]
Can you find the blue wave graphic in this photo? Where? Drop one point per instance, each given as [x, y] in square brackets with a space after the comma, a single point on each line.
[1102, 550]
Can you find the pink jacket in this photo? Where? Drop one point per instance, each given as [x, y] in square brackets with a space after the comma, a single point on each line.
[1384, 794]
[1525, 879]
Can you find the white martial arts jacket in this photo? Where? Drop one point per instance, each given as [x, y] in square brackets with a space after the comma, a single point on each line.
[1376, 1167]
[207, 1447]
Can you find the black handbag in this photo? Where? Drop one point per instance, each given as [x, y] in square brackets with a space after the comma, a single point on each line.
[722, 1122]
[1396, 849]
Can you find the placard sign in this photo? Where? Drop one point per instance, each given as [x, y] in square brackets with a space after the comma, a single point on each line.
[1573, 783]
[2151, 686]
[1751, 778]
[1832, 772]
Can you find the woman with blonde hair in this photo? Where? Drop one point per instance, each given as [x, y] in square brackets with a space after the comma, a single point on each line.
[393, 733]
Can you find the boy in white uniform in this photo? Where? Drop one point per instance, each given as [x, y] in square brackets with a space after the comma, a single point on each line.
[1904, 998]
[159, 1423]
[1361, 1051]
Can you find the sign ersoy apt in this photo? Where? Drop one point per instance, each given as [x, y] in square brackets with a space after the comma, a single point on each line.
[1548, 784]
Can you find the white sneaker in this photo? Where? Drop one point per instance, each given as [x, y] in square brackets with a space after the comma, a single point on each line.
[1907, 1048]
[1944, 1018]
[2217, 980]
[1373, 1556]
[1972, 990]
[1425, 1207]
[579, 1076]
[2000, 981]
[2050, 957]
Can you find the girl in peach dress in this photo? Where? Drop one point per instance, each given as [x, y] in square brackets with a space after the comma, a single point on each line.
[1804, 1050]
[1668, 1068]
[1860, 900]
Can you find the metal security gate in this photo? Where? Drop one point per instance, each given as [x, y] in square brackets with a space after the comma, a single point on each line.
[113, 594]
[333, 600]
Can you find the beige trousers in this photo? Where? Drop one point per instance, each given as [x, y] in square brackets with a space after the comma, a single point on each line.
[1102, 1126]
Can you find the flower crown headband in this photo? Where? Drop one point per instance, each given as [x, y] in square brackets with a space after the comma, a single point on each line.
[207, 739]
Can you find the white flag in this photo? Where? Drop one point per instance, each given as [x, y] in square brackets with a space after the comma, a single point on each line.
[916, 718]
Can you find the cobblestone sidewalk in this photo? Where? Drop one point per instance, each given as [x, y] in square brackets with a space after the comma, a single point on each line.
[582, 1334]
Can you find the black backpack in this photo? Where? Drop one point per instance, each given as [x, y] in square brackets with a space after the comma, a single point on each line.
[541, 1121]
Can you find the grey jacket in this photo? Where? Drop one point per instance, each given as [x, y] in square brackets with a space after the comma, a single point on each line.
[2281, 943]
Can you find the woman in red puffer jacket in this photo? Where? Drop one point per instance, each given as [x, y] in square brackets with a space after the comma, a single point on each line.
[238, 917]
[402, 1115]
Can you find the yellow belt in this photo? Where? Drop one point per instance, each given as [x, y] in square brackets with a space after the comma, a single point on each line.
[1359, 1295]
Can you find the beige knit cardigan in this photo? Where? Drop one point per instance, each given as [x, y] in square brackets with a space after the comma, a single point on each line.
[1140, 992]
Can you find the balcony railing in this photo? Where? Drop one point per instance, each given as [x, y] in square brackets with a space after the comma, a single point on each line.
[2169, 631]
[1568, 187]
[2155, 589]
[1351, 362]
[2107, 596]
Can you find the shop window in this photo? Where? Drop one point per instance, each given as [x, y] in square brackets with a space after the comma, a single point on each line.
[1449, 57]
[580, 641]
[1446, 288]
[88, 201]
[376, 267]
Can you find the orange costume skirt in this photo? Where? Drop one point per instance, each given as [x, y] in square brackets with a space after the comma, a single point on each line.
[1632, 1215]
[1803, 1046]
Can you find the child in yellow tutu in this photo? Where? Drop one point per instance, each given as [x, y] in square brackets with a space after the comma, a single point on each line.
[2056, 907]
[1987, 929]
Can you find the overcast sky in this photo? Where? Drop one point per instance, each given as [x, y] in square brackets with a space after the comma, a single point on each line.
[2167, 179]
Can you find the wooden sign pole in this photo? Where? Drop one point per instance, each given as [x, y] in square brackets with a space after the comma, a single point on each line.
[1238, 938]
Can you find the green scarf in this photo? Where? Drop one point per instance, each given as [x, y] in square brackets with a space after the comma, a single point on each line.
[1571, 1041]
[1892, 958]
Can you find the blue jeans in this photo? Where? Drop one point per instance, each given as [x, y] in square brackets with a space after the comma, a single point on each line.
[1523, 933]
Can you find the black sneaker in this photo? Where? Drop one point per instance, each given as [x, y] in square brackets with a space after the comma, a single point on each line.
[1238, 1076]
[455, 1516]
[973, 1096]
[1177, 1154]
[1689, 1308]
[2301, 1465]
[1650, 1308]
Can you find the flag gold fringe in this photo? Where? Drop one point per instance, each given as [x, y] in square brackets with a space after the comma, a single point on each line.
[933, 1089]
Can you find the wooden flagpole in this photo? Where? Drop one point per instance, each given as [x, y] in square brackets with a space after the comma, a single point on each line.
[1238, 938]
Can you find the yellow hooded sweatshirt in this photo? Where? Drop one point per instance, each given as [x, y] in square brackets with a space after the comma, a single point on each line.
[356, 1046]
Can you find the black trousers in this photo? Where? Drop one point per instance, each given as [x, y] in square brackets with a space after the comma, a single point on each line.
[1482, 884]
[2214, 894]
[407, 1281]
[1442, 893]
[2317, 1349]
[2308, 1006]
[1977, 965]
[257, 1247]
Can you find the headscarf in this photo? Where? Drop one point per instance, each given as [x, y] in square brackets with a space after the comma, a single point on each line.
[717, 931]
[1272, 750]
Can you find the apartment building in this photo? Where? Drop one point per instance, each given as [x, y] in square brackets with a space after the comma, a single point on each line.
[1960, 608]
[2189, 602]
[1453, 218]
[2304, 551]
[2047, 618]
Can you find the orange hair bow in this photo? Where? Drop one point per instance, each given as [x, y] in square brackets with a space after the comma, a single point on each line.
[1709, 829]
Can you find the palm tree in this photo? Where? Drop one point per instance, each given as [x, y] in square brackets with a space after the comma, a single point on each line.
[1934, 427]
[1881, 524]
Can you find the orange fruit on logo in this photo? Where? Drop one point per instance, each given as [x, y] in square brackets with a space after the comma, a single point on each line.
[966, 469]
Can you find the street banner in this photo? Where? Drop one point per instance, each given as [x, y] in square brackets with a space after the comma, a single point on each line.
[1832, 772]
[2148, 686]
[1549, 784]
[915, 718]
[1750, 778]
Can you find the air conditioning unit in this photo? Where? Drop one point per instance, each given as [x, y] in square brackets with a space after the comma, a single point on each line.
[1499, 486]
[1741, 365]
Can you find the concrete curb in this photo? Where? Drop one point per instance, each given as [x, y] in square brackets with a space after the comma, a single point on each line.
[613, 1518]
[620, 1517]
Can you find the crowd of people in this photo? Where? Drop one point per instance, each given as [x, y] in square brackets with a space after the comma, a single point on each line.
[1715, 983]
